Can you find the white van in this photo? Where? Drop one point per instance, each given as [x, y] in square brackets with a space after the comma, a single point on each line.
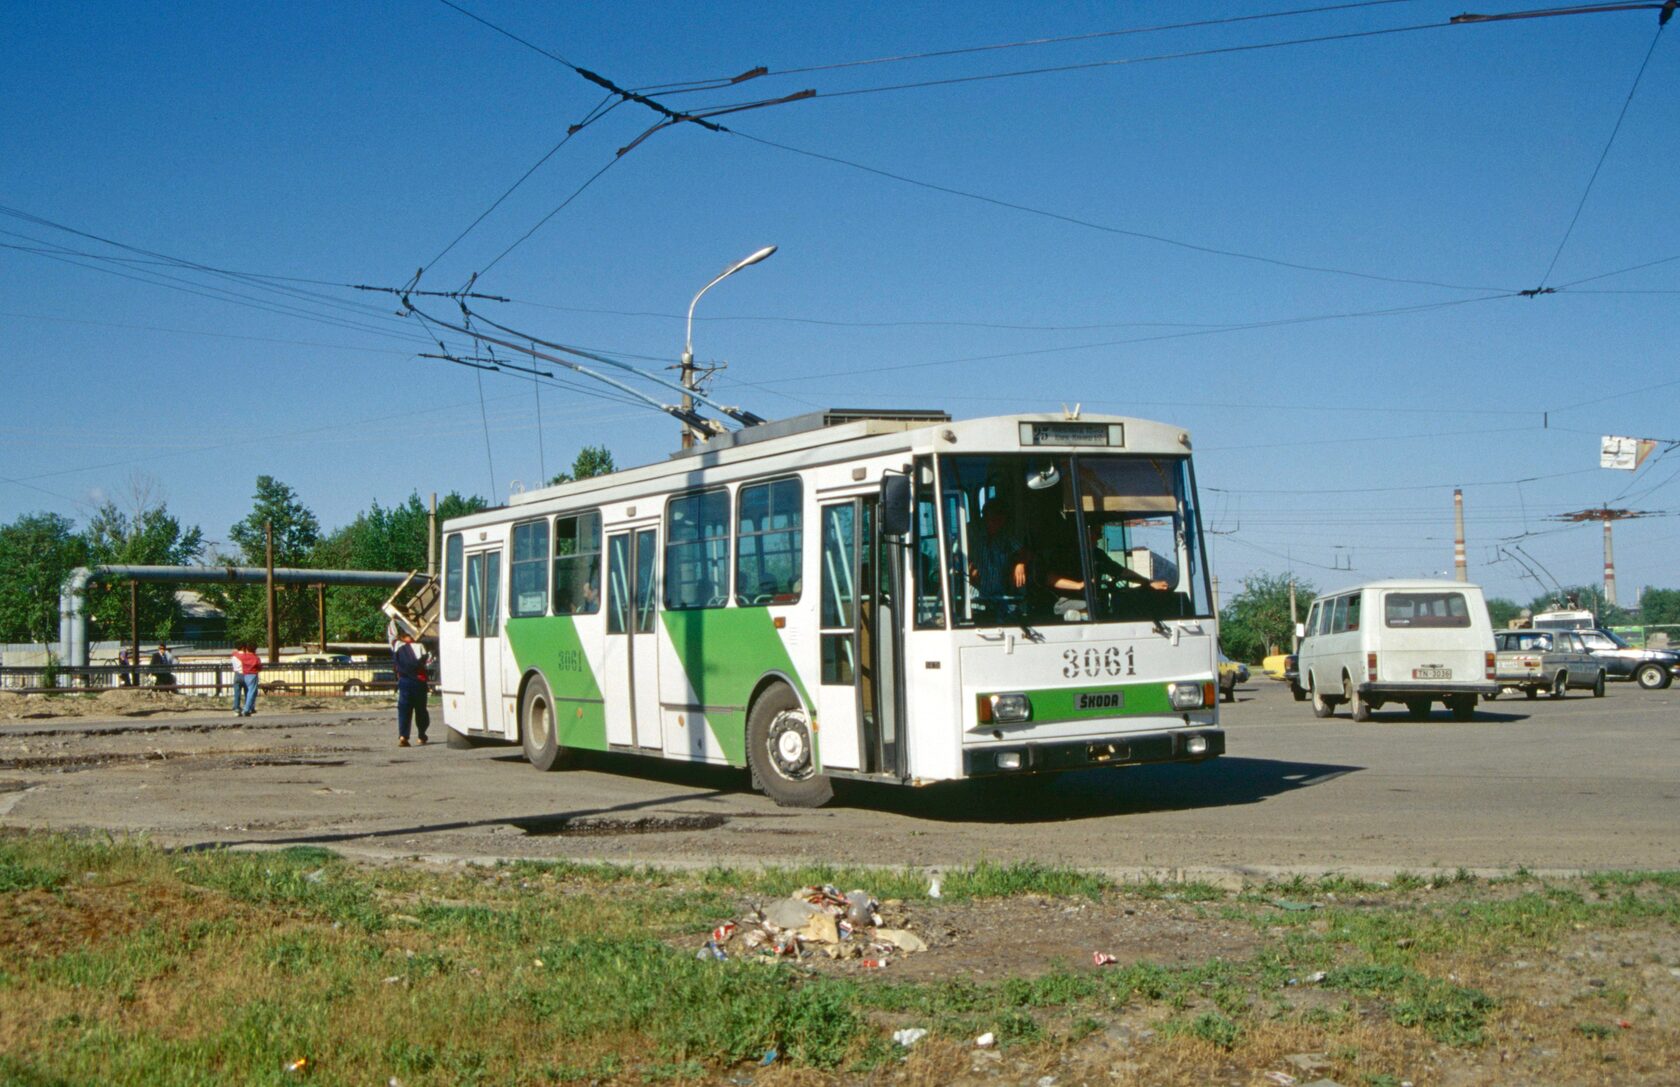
[1416, 642]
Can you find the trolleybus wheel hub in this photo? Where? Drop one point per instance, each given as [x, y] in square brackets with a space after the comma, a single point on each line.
[790, 746]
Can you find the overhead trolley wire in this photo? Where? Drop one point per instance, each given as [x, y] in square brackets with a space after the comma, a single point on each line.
[1104, 227]
[686, 86]
[1662, 21]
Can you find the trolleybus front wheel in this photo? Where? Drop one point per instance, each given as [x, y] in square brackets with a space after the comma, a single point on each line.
[537, 732]
[780, 752]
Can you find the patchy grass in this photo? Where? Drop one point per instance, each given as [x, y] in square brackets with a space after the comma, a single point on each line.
[123, 963]
[984, 880]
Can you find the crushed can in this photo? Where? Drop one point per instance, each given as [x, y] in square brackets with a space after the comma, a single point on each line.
[1103, 958]
[724, 931]
[873, 964]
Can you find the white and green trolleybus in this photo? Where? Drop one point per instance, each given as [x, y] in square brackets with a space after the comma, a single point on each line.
[881, 595]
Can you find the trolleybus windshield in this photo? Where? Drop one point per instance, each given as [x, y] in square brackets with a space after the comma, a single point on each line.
[1047, 538]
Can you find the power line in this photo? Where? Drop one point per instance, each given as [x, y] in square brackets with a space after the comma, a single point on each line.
[594, 115]
[1409, 487]
[1604, 154]
[686, 86]
[1394, 311]
[558, 209]
[1105, 228]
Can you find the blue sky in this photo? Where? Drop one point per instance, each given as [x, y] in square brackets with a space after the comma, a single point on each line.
[349, 143]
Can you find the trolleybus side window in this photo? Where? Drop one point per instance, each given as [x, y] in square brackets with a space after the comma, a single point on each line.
[839, 594]
[577, 564]
[618, 589]
[697, 550]
[769, 543]
[452, 578]
[930, 602]
[528, 570]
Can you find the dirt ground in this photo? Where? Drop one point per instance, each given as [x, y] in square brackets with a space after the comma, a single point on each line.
[144, 702]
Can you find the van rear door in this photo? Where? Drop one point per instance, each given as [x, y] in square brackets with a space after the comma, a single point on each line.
[1431, 636]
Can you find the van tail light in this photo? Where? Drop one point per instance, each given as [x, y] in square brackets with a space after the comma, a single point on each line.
[1490, 669]
[1371, 667]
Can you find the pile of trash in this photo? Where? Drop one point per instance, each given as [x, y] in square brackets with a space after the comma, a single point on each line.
[810, 922]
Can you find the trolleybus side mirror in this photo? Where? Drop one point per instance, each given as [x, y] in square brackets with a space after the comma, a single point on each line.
[895, 504]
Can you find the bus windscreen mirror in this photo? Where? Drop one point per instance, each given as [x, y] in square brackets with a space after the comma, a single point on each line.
[895, 505]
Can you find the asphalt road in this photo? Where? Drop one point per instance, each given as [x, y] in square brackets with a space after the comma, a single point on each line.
[1552, 786]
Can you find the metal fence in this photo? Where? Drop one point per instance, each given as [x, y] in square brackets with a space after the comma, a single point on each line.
[207, 678]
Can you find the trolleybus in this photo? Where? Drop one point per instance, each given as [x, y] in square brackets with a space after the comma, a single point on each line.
[885, 595]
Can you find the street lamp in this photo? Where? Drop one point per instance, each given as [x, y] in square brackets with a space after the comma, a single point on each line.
[688, 375]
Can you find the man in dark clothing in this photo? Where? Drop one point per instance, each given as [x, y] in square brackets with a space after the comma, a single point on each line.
[410, 662]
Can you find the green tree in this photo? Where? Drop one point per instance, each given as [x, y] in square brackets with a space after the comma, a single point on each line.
[1501, 611]
[150, 536]
[297, 532]
[592, 460]
[1659, 606]
[378, 539]
[37, 552]
[1257, 619]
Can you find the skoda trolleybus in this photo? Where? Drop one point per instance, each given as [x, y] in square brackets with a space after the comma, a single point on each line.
[881, 595]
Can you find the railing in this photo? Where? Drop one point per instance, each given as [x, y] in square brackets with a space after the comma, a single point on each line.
[208, 678]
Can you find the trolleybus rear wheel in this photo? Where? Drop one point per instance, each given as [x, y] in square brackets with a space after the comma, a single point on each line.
[781, 754]
[537, 728]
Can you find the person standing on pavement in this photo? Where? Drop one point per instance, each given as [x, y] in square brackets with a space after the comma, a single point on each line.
[162, 664]
[247, 667]
[410, 660]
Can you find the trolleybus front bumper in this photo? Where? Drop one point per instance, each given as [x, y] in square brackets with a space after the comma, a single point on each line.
[1176, 745]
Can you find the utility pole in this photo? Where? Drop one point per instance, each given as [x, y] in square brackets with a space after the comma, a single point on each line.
[321, 612]
[1294, 642]
[431, 540]
[1460, 569]
[1609, 568]
[1607, 515]
[273, 620]
[134, 631]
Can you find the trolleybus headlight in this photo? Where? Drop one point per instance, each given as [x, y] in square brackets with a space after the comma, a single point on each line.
[1186, 696]
[1005, 709]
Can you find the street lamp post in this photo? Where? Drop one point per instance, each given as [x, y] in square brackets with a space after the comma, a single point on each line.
[689, 378]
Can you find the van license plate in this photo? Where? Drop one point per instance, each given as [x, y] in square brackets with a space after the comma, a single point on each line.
[1099, 700]
[1431, 671]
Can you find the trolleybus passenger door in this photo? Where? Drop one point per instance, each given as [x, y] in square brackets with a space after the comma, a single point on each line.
[615, 668]
[644, 644]
[481, 671]
[860, 640]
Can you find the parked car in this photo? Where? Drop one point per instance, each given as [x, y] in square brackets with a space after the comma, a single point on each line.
[325, 669]
[1652, 669]
[1231, 673]
[1532, 661]
[1415, 642]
